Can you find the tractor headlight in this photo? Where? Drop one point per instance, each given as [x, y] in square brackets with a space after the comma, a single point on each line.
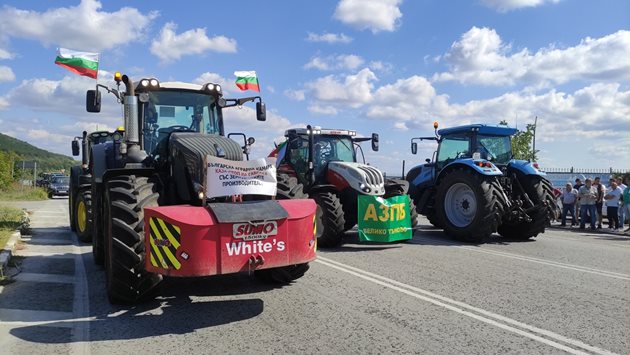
[210, 87]
[218, 87]
[154, 82]
[144, 83]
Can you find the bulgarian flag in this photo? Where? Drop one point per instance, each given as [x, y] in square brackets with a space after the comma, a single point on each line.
[247, 80]
[82, 63]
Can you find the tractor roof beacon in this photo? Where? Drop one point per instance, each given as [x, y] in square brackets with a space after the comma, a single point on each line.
[474, 187]
[325, 162]
[152, 216]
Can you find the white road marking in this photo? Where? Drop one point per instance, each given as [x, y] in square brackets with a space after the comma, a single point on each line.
[585, 269]
[479, 314]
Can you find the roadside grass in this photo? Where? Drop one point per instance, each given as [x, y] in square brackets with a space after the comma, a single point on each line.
[10, 220]
[25, 193]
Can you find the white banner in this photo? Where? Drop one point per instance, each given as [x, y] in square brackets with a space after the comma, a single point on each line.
[252, 177]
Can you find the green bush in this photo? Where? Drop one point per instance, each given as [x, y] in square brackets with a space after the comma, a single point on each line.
[10, 220]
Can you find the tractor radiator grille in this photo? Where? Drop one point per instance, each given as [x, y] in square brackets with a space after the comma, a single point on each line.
[374, 176]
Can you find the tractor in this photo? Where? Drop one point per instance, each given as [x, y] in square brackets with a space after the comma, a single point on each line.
[474, 187]
[324, 162]
[154, 214]
[80, 192]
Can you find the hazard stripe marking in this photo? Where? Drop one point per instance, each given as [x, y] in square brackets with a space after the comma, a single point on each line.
[166, 255]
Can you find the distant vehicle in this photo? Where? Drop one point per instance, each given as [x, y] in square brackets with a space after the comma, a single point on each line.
[47, 178]
[59, 186]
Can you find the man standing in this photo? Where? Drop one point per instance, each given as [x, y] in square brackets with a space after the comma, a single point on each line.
[599, 202]
[612, 205]
[626, 203]
[588, 197]
[578, 184]
[622, 209]
[568, 198]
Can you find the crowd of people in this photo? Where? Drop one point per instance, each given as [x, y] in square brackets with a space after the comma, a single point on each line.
[585, 202]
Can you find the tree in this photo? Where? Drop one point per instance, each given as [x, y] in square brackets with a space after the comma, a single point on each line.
[522, 143]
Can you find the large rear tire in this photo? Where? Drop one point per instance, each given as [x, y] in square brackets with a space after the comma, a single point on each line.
[288, 188]
[469, 204]
[83, 215]
[127, 279]
[329, 219]
[540, 192]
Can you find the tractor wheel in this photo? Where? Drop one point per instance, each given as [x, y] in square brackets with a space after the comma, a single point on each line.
[350, 212]
[98, 243]
[50, 195]
[330, 220]
[471, 205]
[540, 192]
[83, 215]
[398, 190]
[125, 200]
[73, 226]
[432, 217]
[288, 189]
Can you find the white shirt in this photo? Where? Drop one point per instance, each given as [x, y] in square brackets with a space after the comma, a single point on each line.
[616, 193]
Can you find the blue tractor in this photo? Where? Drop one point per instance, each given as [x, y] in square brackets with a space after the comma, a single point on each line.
[474, 187]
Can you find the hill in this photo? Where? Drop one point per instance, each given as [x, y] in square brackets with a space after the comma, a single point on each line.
[46, 161]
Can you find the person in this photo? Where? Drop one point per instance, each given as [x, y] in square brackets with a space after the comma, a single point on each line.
[626, 203]
[612, 205]
[578, 184]
[568, 198]
[622, 209]
[599, 203]
[588, 197]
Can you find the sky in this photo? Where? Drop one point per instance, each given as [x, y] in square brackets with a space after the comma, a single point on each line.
[387, 66]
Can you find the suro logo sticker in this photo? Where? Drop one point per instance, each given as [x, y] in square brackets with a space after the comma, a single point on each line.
[254, 231]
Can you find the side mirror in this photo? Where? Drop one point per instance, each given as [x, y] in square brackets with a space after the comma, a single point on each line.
[427, 160]
[375, 142]
[93, 101]
[75, 148]
[261, 111]
[414, 148]
[251, 140]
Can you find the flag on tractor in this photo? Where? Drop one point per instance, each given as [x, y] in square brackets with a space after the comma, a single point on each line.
[247, 80]
[82, 63]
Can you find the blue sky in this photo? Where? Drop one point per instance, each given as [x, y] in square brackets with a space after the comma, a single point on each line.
[386, 66]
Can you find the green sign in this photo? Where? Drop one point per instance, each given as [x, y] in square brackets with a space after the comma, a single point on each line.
[384, 220]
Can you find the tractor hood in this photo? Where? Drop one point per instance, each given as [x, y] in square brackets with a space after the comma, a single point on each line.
[363, 178]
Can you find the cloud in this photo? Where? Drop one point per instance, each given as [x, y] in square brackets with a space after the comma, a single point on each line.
[331, 38]
[509, 5]
[373, 15]
[322, 110]
[82, 27]
[335, 62]
[297, 95]
[6, 74]
[4, 103]
[5, 54]
[353, 91]
[481, 57]
[170, 46]
[215, 78]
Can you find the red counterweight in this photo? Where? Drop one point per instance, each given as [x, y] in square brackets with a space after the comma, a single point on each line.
[188, 241]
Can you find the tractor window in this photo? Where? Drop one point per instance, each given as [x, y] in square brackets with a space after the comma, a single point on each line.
[497, 149]
[453, 147]
[170, 110]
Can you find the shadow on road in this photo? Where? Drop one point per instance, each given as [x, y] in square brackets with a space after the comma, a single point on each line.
[175, 315]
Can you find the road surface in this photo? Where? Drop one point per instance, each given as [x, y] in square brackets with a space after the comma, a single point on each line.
[567, 292]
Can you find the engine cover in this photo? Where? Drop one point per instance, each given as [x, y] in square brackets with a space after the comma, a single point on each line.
[191, 149]
[360, 177]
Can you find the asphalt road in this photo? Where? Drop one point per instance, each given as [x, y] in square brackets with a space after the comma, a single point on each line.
[567, 292]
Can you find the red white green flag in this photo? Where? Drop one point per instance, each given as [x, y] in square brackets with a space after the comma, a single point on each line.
[82, 63]
[247, 80]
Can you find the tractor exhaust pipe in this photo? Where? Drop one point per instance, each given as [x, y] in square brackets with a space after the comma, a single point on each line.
[132, 130]
[130, 102]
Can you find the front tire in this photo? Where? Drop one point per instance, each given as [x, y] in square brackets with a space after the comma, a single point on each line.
[288, 188]
[127, 279]
[540, 192]
[330, 220]
[469, 204]
[83, 215]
